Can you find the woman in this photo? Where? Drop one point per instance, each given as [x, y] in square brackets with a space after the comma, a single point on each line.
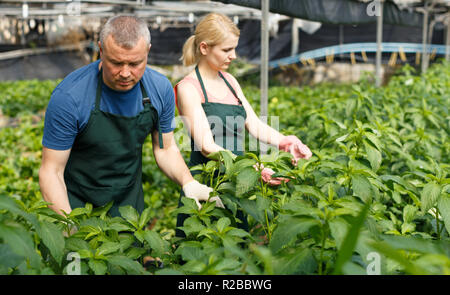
[213, 106]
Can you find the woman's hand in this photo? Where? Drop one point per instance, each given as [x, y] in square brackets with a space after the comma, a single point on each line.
[266, 175]
[295, 146]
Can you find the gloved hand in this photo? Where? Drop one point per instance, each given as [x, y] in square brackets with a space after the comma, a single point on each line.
[266, 175]
[295, 146]
[200, 192]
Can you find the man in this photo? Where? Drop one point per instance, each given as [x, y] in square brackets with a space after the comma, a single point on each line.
[97, 120]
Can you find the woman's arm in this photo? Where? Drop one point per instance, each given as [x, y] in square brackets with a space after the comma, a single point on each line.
[194, 117]
[269, 135]
[255, 126]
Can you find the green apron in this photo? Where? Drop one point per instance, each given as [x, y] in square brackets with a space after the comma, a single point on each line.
[227, 123]
[105, 163]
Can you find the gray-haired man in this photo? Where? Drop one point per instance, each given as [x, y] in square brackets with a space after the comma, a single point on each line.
[97, 120]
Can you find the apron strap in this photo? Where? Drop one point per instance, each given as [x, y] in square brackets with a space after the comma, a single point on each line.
[98, 94]
[146, 100]
[199, 77]
[231, 88]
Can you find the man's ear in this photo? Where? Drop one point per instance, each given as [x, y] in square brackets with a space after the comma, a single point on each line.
[100, 48]
[204, 48]
[149, 46]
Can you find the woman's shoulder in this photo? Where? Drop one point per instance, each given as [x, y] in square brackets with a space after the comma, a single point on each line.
[188, 84]
[188, 88]
[188, 79]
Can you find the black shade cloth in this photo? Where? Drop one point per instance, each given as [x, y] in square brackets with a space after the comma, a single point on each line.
[335, 11]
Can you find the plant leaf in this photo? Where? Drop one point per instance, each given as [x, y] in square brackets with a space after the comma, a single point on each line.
[362, 188]
[108, 248]
[20, 242]
[300, 262]
[130, 214]
[53, 239]
[246, 180]
[288, 229]
[374, 139]
[429, 195]
[444, 208]
[145, 217]
[155, 241]
[98, 266]
[349, 243]
[129, 265]
[223, 223]
[373, 155]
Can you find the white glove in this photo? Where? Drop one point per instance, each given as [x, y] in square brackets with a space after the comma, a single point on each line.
[200, 192]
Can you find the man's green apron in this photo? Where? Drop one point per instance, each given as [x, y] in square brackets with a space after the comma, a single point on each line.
[105, 163]
[227, 123]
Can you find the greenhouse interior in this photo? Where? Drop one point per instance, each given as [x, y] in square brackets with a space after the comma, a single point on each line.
[359, 90]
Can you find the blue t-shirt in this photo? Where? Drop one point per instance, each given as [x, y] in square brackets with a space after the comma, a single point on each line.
[73, 100]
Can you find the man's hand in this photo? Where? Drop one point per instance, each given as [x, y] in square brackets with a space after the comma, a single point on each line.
[200, 192]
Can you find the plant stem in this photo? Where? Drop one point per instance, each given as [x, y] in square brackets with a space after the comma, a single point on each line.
[269, 234]
[357, 150]
[438, 224]
[211, 178]
[263, 192]
[321, 251]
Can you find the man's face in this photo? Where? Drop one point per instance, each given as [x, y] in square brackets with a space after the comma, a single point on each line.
[122, 67]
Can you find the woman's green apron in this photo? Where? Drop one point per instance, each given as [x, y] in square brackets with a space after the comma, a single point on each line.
[227, 124]
[105, 163]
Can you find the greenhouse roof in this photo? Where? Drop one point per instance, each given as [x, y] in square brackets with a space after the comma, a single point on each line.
[397, 12]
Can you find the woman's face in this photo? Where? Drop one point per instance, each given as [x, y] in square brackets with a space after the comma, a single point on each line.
[220, 56]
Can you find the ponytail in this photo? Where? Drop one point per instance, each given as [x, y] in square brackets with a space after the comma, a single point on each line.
[190, 55]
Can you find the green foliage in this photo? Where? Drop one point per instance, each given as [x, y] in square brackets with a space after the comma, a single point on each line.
[376, 186]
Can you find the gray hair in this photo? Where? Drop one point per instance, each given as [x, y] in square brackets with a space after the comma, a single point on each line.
[126, 30]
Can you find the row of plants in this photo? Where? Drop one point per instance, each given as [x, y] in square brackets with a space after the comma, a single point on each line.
[374, 198]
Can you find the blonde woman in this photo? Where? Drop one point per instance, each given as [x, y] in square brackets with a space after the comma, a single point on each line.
[213, 106]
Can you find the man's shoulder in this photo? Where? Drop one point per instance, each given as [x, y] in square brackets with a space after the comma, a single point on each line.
[79, 81]
[156, 78]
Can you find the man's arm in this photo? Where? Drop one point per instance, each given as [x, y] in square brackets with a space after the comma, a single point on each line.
[169, 159]
[51, 179]
[171, 162]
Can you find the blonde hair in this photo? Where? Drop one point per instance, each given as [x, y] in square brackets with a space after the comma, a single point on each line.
[212, 30]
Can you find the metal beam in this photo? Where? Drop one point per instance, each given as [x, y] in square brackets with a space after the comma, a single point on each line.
[424, 38]
[447, 39]
[264, 74]
[378, 73]
[357, 47]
